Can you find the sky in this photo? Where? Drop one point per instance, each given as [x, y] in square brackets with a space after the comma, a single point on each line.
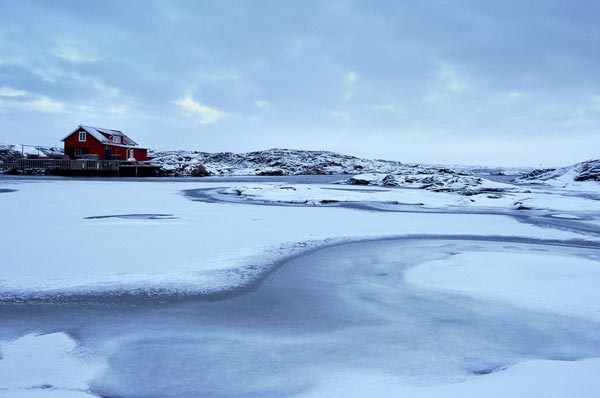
[513, 83]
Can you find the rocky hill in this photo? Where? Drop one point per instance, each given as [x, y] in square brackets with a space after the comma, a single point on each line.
[11, 152]
[269, 162]
[442, 180]
[588, 171]
[274, 162]
[299, 162]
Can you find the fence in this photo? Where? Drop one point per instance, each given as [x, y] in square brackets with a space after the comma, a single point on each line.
[62, 165]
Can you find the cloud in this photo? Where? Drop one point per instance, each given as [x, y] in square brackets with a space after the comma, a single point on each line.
[452, 82]
[45, 104]
[220, 77]
[351, 77]
[515, 95]
[74, 51]
[11, 92]
[350, 80]
[39, 103]
[204, 113]
[344, 116]
[261, 104]
[24, 100]
[447, 85]
[388, 108]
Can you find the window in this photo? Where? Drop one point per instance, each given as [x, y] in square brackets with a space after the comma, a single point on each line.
[82, 136]
[78, 151]
[116, 139]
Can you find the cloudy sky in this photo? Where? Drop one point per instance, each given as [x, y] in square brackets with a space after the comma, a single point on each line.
[469, 82]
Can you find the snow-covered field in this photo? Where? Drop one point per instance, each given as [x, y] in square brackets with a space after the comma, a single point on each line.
[190, 288]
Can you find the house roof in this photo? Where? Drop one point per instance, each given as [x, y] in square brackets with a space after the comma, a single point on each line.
[97, 133]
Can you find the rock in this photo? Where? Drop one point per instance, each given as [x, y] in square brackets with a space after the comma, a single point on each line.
[271, 173]
[436, 180]
[199, 171]
[520, 206]
[366, 179]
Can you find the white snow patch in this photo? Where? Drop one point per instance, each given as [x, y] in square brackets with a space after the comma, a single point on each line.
[320, 194]
[48, 365]
[532, 379]
[565, 216]
[561, 284]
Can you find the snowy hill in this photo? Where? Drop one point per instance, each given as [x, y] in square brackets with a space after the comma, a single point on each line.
[298, 162]
[577, 175]
[276, 162]
[11, 152]
[268, 162]
[8, 152]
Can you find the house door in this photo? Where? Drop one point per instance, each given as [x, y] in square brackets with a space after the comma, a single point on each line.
[130, 154]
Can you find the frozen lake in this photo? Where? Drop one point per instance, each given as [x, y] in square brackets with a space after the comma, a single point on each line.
[343, 308]
[198, 298]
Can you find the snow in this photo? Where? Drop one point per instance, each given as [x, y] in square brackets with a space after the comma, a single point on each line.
[269, 162]
[531, 379]
[565, 216]
[566, 285]
[46, 366]
[298, 162]
[12, 152]
[205, 247]
[325, 194]
[584, 176]
[444, 181]
[454, 295]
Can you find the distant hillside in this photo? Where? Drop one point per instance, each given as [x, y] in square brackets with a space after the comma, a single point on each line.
[268, 162]
[584, 171]
[297, 162]
[275, 162]
[9, 152]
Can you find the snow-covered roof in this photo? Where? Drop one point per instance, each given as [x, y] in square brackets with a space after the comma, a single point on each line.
[108, 131]
[98, 133]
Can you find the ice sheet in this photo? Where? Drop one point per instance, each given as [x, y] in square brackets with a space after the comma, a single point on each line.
[552, 283]
[50, 246]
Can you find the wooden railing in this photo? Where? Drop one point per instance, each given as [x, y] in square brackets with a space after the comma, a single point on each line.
[61, 164]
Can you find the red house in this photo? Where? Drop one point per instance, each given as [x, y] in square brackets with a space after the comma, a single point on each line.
[107, 144]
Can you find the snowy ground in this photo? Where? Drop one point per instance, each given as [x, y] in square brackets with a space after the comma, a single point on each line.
[302, 194]
[97, 236]
[189, 288]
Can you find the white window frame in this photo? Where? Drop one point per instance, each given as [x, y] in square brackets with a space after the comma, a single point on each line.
[116, 139]
[82, 136]
[78, 151]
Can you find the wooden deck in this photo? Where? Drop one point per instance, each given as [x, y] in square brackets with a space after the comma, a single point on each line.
[97, 168]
